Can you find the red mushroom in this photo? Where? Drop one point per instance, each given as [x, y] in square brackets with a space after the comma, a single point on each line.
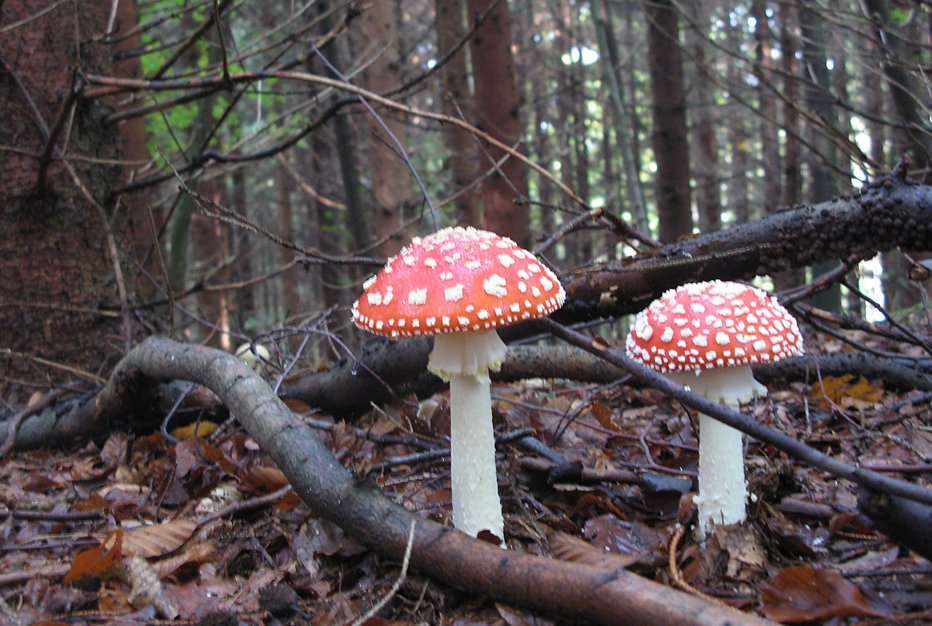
[705, 336]
[460, 284]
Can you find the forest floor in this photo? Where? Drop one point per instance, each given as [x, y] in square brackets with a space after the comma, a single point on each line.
[605, 479]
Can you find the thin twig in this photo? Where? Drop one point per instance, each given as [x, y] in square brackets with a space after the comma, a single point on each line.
[677, 575]
[730, 417]
[362, 619]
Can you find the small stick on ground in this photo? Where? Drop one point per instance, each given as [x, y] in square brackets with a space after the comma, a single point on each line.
[362, 619]
[677, 575]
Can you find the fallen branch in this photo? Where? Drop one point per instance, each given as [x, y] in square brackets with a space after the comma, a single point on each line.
[889, 213]
[352, 387]
[797, 449]
[579, 592]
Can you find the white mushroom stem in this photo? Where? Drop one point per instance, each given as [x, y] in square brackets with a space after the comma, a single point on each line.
[722, 488]
[465, 359]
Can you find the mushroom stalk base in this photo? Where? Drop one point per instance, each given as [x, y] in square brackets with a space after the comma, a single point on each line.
[476, 504]
[722, 491]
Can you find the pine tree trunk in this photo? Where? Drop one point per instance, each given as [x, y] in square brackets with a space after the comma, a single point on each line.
[497, 113]
[668, 102]
[704, 124]
[457, 102]
[391, 181]
[792, 186]
[58, 276]
[823, 185]
[738, 139]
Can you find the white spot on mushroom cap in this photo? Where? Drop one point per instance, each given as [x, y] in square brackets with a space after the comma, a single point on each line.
[494, 285]
[417, 296]
[454, 293]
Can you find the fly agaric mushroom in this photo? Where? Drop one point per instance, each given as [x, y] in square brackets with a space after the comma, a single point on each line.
[459, 284]
[706, 336]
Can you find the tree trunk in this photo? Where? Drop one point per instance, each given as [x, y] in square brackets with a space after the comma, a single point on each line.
[905, 93]
[143, 218]
[625, 133]
[241, 245]
[668, 95]
[497, 113]
[389, 175]
[911, 108]
[738, 139]
[792, 190]
[704, 124]
[823, 184]
[59, 279]
[457, 102]
[210, 256]
[764, 71]
[291, 300]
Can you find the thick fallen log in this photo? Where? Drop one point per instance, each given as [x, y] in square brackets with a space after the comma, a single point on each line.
[571, 590]
[385, 369]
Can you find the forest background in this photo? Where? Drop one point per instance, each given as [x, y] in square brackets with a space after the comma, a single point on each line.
[670, 117]
[230, 172]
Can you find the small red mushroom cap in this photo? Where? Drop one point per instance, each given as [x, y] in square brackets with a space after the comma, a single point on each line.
[713, 324]
[457, 280]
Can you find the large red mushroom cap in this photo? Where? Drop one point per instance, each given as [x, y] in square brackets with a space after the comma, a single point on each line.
[713, 324]
[457, 280]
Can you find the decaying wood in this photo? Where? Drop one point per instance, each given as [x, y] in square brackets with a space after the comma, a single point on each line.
[580, 592]
[905, 521]
[385, 369]
[892, 212]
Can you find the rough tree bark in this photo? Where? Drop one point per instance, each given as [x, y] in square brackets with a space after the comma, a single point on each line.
[890, 212]
[389, 175]
[60, 280]
[497, 109]
[668, 103]
[457, 102]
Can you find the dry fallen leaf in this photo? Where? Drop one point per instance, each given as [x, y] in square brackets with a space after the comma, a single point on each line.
[804, 594]
[197, 429]
[96, 560]
[569, 548]
[845, 391]
[147, 588]
[158, 539]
